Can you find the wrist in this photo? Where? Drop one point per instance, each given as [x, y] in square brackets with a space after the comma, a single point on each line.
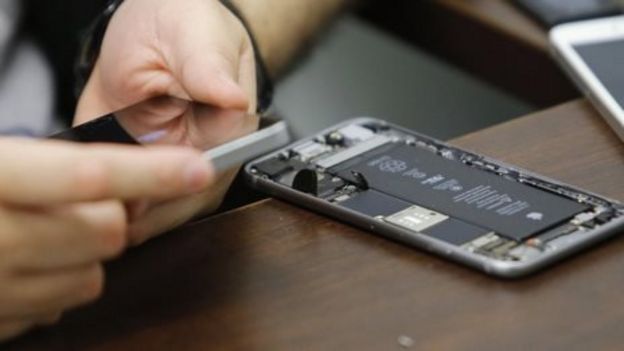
[252, 10]
[91, 44]
[263, 78]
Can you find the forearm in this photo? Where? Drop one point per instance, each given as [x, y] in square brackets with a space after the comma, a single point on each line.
[283, 27]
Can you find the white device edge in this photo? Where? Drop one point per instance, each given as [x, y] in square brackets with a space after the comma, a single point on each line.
[241, 150]
[564, 37]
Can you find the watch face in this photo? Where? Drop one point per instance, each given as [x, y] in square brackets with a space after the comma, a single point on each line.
[165, 121]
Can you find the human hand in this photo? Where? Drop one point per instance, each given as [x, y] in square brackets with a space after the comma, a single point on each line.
[61, 217]
[195, 50]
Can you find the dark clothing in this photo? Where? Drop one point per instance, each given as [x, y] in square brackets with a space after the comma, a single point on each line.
[58, 26]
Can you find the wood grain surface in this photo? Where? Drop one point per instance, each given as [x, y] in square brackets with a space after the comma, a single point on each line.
[505, 17]
[272, 276]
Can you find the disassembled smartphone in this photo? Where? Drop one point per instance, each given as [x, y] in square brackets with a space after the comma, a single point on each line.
[415, 189]
[127, 127]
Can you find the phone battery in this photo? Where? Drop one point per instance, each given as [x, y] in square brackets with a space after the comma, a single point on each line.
[422, 177]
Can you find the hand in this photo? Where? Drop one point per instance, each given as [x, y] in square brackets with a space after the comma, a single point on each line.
[60, 218]
[193, 49]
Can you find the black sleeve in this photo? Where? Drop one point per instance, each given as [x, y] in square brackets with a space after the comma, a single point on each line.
[57, 26]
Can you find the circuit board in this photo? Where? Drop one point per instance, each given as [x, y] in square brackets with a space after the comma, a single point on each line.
[425, 187]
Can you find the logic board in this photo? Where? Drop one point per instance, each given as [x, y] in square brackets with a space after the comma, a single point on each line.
[452, 201]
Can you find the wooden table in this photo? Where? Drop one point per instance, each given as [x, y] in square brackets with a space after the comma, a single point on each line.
[491, 39]
[272, 276]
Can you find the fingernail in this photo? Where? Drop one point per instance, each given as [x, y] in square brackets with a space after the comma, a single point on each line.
[196, 175]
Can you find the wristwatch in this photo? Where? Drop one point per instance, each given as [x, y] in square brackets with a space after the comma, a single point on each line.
[94, 36]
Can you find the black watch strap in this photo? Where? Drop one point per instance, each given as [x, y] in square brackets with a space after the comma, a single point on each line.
[91, 43]
[263, 79]
[95, 35]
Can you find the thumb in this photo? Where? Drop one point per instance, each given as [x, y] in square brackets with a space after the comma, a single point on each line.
[94, 101]
[209, 80]
[213, 80]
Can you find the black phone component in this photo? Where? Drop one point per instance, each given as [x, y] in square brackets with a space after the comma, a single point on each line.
[419, 176]
[318, 184]
[274, 167]
[102, 130]
[375, 204]
[549, 235]
[419, 190]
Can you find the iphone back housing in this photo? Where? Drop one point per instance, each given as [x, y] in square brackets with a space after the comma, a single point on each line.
[417, 190]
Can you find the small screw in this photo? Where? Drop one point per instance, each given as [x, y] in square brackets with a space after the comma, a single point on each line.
[405, 341]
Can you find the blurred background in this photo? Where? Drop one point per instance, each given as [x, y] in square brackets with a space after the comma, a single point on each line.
[440, 67]
[378, 61]
[360, 70]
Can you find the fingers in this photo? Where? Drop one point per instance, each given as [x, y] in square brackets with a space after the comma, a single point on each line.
[44, 294]
[165, 216]
[13, 328]
[205, 57]
[95, 100]
[74, 235]
[50, 260]
[50, 319]
[41, 173]
[198, 59]
[247, 76]
[209, 79]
